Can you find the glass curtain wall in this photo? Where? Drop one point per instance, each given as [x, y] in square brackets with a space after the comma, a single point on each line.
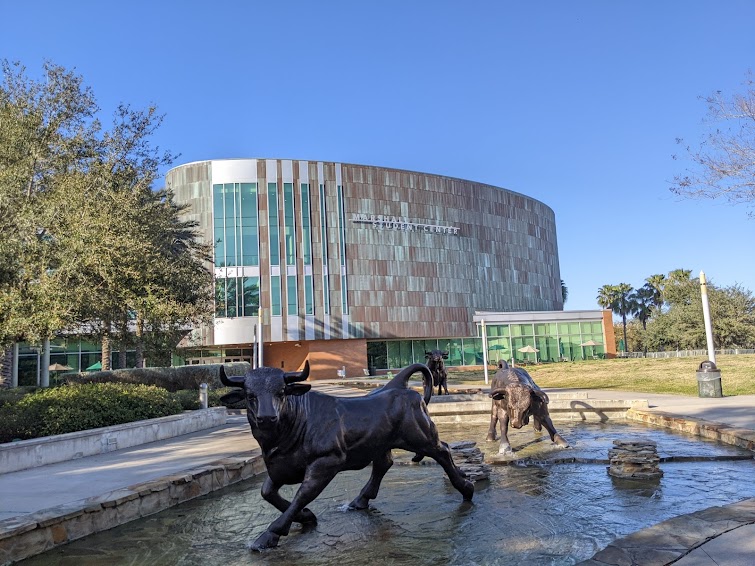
[553, 341]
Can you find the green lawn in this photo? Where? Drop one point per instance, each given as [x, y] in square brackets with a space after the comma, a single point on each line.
[645, 375]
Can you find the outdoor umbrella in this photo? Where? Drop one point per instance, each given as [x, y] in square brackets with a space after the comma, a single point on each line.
[529, 350]
[95, 367]
[592, 343]
[59, 367]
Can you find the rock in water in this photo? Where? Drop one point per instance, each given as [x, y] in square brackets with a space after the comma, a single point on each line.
[634, 459]
[469, 459]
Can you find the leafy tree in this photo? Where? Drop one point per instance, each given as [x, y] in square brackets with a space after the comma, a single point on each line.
[89, 244]
[724, 164]
[564, 291]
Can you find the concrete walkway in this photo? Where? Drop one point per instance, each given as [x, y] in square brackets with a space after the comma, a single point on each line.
[32, 498]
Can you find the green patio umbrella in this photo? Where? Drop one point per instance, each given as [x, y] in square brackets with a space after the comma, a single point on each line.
[95, 367]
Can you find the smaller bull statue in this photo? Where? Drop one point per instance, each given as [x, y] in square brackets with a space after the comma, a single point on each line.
[308, 437]
[438, 369]
[516, 398]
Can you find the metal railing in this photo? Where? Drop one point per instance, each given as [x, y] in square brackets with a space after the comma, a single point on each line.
[684, 353]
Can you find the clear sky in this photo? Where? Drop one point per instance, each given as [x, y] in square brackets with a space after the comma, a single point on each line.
[577, 104]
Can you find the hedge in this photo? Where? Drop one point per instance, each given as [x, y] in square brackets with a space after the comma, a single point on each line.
[172, 379]
[77, 407]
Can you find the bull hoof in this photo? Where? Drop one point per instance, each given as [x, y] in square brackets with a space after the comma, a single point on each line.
[264, 541]
[306, 517]
[490, 438]
[417, 458]
[561, 442]
[359, 503]
[467, 491]
[505, 451]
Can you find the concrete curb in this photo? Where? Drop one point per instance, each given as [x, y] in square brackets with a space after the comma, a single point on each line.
[668, 541]
[15, 456]
[39, 532]
[741, 437]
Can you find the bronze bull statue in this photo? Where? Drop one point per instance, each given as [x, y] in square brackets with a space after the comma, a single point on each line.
[308, 437]
[438, 369]
[516, 398]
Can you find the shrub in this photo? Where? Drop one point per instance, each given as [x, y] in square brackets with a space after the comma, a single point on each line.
[14, 395]
[189, 398]
[79, 407]
[172, 379]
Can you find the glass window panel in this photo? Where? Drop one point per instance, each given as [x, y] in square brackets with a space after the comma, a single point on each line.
[272, 224]
[292, 302]
[251, 296]
[309, 293]
[326, 294]
[275, 295]
[341, 226]
[288, 223]
[394, 354]
[344, 296]
[306, 226]
[220, 298]
[573, 328]
[597, 328]
[472, 348]
[231, 292]
[563, 328]
[455, 353]
[249, 224]
[406, 353]
[377, 355]
[541, 329]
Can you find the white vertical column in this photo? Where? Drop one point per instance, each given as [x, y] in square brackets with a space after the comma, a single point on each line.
[706, 318]
[45, 369]
[484, 349]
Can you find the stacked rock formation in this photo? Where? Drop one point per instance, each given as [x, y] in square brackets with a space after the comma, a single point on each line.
[634, 459]
[469, 459]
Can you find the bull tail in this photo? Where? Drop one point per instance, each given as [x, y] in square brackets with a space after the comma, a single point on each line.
[401, 381]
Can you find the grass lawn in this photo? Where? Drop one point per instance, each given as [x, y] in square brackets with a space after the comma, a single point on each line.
[644, 375]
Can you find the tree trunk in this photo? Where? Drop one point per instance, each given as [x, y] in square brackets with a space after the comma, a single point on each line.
[6, 367]
[624, 321]
[106, 346]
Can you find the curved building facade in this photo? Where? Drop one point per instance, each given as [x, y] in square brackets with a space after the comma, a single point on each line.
[330, 256]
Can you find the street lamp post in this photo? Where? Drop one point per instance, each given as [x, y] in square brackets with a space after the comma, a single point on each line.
[706, 318]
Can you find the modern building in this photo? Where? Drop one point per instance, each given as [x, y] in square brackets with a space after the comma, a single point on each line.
[355, 266]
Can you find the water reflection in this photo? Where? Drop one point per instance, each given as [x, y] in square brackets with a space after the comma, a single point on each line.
[537, 513]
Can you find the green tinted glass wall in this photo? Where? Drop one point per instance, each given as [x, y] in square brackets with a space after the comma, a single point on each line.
[306, 226]
[289, 230]
[272, 223]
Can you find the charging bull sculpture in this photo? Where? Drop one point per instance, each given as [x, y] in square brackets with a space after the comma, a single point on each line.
[308, 437]
[516, 398]
[438, 369]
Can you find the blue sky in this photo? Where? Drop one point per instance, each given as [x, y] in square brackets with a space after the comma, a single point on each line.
[577, 104]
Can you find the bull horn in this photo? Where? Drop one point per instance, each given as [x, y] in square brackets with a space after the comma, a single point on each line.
[233, 381]
[294, 376]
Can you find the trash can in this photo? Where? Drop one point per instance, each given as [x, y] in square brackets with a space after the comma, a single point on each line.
[709, 380]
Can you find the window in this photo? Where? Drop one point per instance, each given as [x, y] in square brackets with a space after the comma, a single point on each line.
[272, 225]
[306, 226]
[275, 295]
[289, 229]
[292, 302]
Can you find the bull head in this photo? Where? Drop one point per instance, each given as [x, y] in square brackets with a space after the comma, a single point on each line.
[264, 390]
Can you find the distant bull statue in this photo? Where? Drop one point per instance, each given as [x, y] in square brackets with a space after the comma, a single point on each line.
[516, 398]
[308, 437]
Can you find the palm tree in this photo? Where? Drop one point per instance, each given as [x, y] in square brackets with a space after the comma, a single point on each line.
[564, 291]
[657, 283]
[617, 299]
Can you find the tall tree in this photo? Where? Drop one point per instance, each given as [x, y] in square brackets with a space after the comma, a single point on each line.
[564, 291]
[617, 298]
[724, 163]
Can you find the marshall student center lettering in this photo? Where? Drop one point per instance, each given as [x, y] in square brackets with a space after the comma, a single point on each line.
[385, 222]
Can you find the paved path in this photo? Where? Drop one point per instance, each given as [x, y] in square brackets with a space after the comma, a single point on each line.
[29, 491]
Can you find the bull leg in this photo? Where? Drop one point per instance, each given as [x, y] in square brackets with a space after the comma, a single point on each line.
[316, 479]
[493, 424]
[271, 495]
[555, 437]
[445, 387]
[380, 467]
[442, 455]
[505, 447]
